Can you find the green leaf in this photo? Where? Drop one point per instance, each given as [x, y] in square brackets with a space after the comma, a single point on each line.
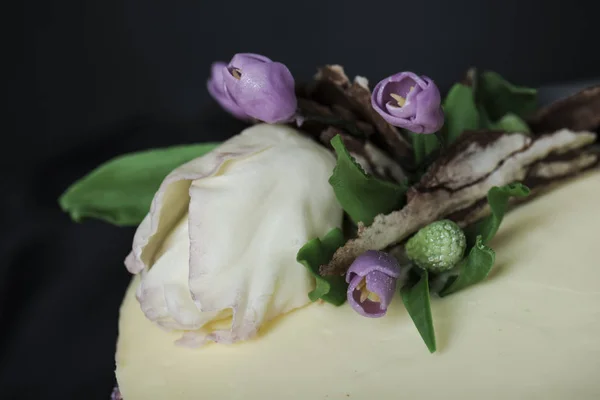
[423, 146]
[362, 196]
[120, 191]
[499, 97]
[317, 252]
[460, 112]
[472, 269]
[476, 266]
[497, 198]
[510, 123]
[416, 301]
[489, 102]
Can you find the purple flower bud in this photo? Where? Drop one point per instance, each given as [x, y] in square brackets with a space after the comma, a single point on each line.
[263, 89]
[372, 281]
[216, 88]
[116, 394]
[409, 101]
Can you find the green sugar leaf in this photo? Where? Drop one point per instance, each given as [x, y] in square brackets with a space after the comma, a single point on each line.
[423, 146]
[499, 97]
[460, 112]
[488, 103]
[472, 269]
[120, 191]
[317, 252]
[417, 303]
[362, 196]
[476, 266]
[497, 198]
[510, 123]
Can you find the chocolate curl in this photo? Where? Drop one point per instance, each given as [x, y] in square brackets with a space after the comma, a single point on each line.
[579, 112]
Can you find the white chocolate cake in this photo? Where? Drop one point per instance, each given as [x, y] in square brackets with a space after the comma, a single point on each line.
[531, 331]
[362, 244]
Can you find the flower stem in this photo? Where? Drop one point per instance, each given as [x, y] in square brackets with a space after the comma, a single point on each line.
[441, 140]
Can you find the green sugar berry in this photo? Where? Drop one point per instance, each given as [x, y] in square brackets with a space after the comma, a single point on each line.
[438, 246]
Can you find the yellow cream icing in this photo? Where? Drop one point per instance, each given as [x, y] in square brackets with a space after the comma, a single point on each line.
[531, 331]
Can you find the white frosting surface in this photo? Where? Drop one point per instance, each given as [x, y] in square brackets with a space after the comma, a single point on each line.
[531, 331]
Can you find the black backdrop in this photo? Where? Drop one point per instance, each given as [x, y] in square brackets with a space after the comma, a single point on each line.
[94, 79]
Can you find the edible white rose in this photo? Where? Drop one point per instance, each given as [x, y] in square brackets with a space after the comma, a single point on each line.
[217, 252]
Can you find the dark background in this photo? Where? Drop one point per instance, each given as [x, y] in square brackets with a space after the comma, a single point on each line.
[94, 79]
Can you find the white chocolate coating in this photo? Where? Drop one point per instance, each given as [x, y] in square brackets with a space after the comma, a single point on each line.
[531, 331]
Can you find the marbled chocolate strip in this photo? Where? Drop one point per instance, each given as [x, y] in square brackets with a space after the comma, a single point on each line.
[579, 112]
[461, 178]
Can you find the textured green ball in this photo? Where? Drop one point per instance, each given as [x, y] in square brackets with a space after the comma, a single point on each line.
[437, 247]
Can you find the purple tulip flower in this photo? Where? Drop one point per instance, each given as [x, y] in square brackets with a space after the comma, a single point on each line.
[116, 394]
[253, 86]
[409, 101]
[372, 279]
[216, 88]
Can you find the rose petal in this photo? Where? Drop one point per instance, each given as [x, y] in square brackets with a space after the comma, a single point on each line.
[373, 260]
[421, 112]
[381, 272]
[260, 259]
[242, 60]
[429, 113]
[265, 91]
[195, 272]
[383, 286]
[218, 91]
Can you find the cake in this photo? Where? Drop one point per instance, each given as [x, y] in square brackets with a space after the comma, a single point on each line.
[358, 244]
[530, 331]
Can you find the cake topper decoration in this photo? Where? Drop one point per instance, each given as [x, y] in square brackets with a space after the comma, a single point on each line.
[437, 247]
[252, 85]
[423, 182]
[218, 91]
[217, 251]
[409, 101]
[372, 280]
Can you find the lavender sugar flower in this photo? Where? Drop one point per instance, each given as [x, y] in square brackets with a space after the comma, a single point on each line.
[254, 86]
[116, 394]
[409, 101]
[216, 88]
[372, 279]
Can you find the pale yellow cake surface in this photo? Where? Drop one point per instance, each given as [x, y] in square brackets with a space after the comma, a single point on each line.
[531, 331]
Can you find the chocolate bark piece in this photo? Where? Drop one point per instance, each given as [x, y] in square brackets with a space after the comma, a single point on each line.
[579, 112]
[370, 157]
[542, 177]
[332, 101]
[461, 177]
